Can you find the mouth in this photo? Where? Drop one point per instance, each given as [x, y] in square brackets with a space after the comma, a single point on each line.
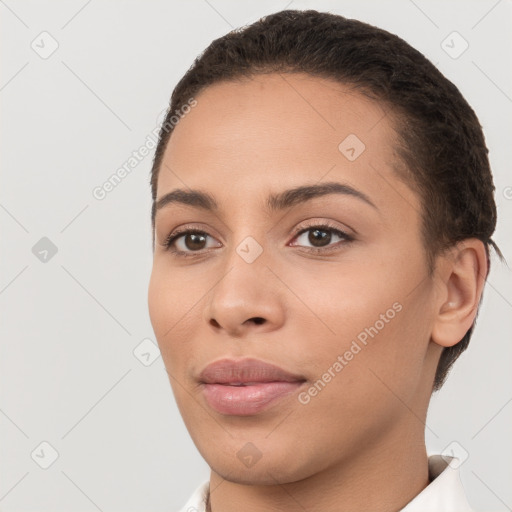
[246, 387]
[240, 383]
[247, 399]
[245, 372]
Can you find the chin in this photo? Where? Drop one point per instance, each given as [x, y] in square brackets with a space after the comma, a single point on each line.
[266, 474]
[270, 469]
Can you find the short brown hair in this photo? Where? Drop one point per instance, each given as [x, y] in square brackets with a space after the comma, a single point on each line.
[442, 150]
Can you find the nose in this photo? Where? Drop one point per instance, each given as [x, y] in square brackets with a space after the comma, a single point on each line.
[247, 298]
[257, 320]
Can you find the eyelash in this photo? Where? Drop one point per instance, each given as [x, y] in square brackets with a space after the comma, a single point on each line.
[322, 227]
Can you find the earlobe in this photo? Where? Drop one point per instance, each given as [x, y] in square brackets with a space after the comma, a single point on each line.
[461, 280]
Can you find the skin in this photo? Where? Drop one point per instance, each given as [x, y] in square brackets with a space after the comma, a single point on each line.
[359, 443]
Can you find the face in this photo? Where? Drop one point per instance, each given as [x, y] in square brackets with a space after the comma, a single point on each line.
[331, 287]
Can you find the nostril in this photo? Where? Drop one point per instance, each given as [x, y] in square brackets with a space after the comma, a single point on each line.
[258, 320]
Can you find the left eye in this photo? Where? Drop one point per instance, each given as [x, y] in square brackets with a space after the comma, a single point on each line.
[321, 236]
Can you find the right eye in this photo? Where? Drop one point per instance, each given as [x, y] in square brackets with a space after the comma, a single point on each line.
[186, 242]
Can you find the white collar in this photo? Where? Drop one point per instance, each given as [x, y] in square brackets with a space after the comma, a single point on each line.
[445, 492]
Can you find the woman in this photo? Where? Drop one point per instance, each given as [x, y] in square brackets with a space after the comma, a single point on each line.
[322, 217]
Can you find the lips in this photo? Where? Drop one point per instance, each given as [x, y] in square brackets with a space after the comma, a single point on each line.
[245, 372]
[246, 387]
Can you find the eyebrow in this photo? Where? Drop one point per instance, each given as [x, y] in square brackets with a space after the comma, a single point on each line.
[275, 202]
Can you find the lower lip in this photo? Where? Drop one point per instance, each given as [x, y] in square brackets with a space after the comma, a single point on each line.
[246, 400]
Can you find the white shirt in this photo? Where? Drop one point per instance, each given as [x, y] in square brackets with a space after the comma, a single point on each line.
[444, 493]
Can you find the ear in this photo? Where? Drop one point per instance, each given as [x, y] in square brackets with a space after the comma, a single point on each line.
[461, 275]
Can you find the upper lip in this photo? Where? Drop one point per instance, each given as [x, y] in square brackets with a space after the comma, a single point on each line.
[243, 371]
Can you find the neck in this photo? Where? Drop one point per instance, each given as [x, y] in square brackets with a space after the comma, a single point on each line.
[382, 478]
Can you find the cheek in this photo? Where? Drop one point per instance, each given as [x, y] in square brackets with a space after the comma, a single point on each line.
[168, 314]
[368, 337]
[359, 389]
[159, 302]
[170, 303]
[346, 301]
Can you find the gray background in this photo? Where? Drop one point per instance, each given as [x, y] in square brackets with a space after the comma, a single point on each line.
[70, 324]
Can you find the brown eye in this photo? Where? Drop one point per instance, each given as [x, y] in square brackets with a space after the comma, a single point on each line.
[320, 237]
[187, 242]
[194, 241]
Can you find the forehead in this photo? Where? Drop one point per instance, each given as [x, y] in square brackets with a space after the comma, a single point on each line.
[282, 111]
[275, 131]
